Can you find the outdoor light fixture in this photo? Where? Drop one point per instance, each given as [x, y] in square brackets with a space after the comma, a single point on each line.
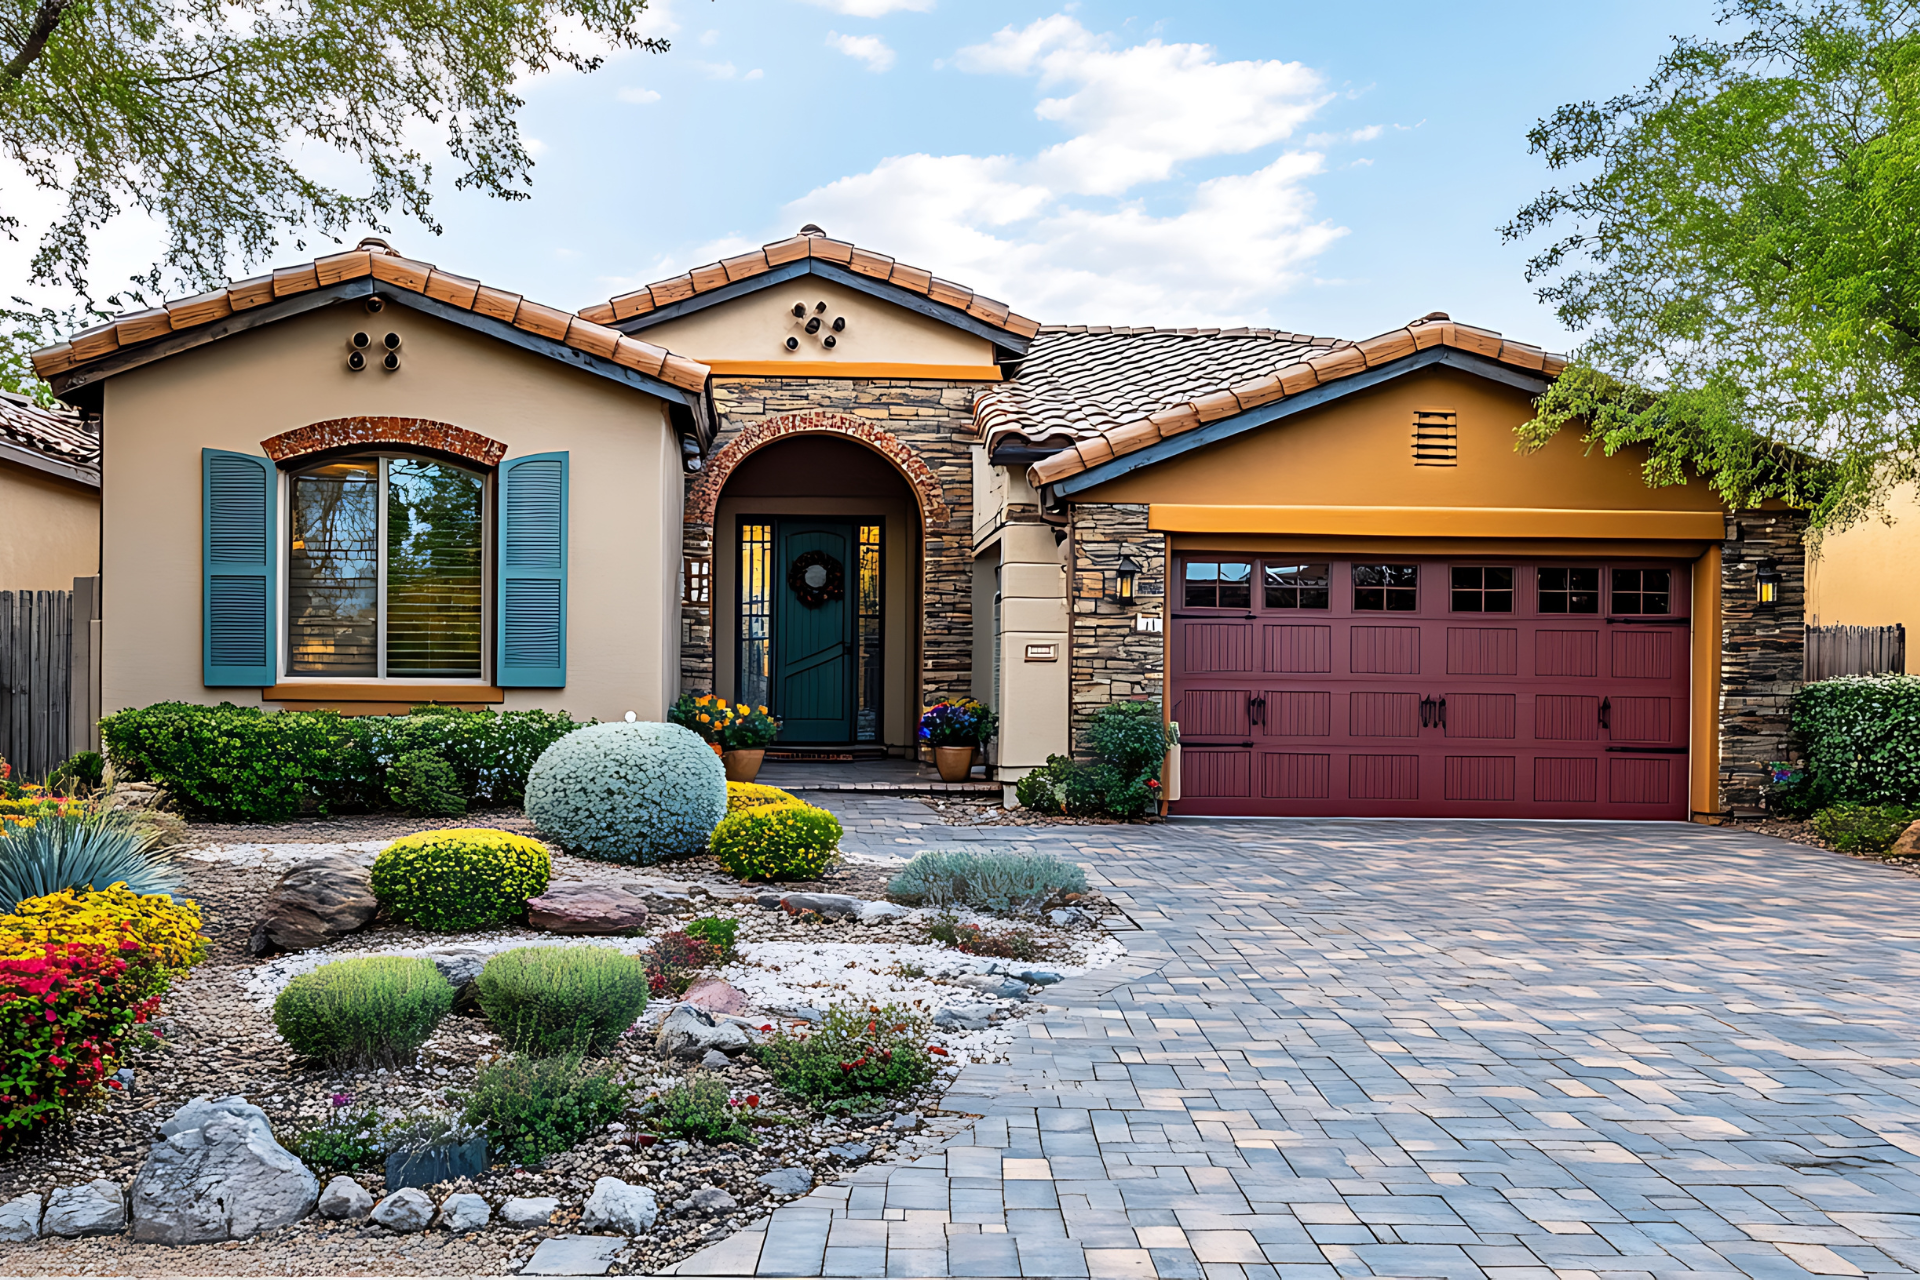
[1123, 579]
[1767, 579]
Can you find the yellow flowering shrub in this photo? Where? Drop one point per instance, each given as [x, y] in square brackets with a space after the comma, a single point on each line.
[35, 802]
[463, 878]
[166, 928]
[778, 842]
[751, 795]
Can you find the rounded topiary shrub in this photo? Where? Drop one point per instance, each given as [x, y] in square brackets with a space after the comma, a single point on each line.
[751, 795]
[375, 1011]
[778, 842]
[463, 878]
[556, 1000]
[637, 793]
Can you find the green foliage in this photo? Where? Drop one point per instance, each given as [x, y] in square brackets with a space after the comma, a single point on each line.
[1130, 743]
[778, 842]
[700, 1109]
[878, 1052]
[1744, 249]
[1010, 944]
[986, 880]
[345, 1142]
[558, 1000]
[1130, 736]
[1863, 828]
[637, 793]
[1861, 738]
[242, 764]
[533, 1107]
[78, 850]
[674, 959]
[374, 1011]
[82, 772]
[425, 785]
[460, 878]
[717, 930]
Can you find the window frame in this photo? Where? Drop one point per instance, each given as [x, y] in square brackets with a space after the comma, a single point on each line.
[1251, 561]
[1512, 589]
[1599, 592]
[1613, 594]
[1354, 588]
[1326, 587]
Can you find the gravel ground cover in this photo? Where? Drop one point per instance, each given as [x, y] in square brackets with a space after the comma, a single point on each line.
[220, 1040]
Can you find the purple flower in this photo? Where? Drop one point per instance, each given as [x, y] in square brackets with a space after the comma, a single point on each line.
[342, 1099]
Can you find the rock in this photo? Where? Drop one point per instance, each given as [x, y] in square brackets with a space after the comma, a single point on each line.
[573, 1256]
[617, 1206]
[218, 1174]
[767, 900]
[313, 904]
[1907, 845]
[850, 1152]
[20, 1218]
[688, 1032]
[790, 1181]
[715, 995]
[880, 912]
[908, 1122]
[999, 986]
[713, 1200]
[464, 1212]
[97, 1208]
[169, 830]
[136, 796]
[584, 908]
[833, 906]
[714, 1060]
[125, 1076]
[529, 1211]
[964, 1017]
[461, 967]
[344, 1198]
[801, 1012]
[1060, 917]
[407, 1209]
[1032, 977]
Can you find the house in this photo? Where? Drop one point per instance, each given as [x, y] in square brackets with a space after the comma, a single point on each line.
[813, 477]
[1864, 575]
[49, 495]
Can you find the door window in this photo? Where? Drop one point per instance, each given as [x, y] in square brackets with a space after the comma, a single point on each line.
[1642, 590]
[1219, 584]
[1569, 590]
[1296, 586]
[1393, 588]
[1482, 589]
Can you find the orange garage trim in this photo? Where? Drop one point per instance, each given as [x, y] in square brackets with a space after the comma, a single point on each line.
[1430, 522]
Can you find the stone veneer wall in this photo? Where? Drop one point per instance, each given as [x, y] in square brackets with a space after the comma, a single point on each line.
[1762, 651]
[935, 420]
[1110, 660]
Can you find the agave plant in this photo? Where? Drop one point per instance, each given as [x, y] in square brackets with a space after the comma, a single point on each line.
[81, 851]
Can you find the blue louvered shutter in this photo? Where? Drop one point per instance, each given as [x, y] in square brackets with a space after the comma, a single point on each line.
[238, 557]
[532, 639]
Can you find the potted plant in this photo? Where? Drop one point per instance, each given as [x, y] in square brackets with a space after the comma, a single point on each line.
[744, 741]
[954, 729]
[706, 714]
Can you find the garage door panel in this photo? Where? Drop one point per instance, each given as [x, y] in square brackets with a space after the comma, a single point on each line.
[1566, 653]
[1639, 780]
[1648, 720]
[1288, 775]
[1299, 713]
[1643, 655]
[1566, 780]
[1305, 649]
[1566, 717]
[1483, 651]
[1392, 651]
[1215, 713]
[1383, 715]
[1218, 646]
[1225, 775]
[1479, 778]
[1480, 715]
[1383, 777]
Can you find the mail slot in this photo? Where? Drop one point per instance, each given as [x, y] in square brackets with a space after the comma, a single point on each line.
[1043, 653]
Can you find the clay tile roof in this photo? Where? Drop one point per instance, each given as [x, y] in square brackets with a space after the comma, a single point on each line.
[811, 242]
[59, 432]
[374, 258]
[1105, 392]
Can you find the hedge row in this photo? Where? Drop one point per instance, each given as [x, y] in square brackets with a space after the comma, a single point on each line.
[1861, 739]
[242, 764]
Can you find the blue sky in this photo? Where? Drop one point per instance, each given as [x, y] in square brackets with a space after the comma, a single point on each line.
[1334, 169]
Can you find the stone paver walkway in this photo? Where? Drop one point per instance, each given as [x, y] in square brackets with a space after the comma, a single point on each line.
[1426, 1049]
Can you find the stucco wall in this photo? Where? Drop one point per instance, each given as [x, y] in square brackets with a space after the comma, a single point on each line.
[757, 327]
[1866, 576]
[624, 476]
[49, 530]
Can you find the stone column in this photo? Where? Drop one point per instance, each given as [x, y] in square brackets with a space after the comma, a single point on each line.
[1762, 651]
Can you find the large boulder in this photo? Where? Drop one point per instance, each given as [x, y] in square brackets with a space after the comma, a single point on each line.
[345, 1198]
[97, 1208]
[464, 1212]
[529, 1211]
[312, 904]
[218, 1174]
[587, 909]
[20, 1218]
[690, 1033]
[619, 1206]
[715, 995]
[1907, 844]
[832, 906]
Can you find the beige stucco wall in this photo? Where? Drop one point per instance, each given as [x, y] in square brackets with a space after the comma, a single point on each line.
[624, 478]
[1869, 575]
[756, 327]
[49, 530]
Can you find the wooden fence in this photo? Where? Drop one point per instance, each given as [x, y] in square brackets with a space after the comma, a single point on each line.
[49, 692]
[1855, 651]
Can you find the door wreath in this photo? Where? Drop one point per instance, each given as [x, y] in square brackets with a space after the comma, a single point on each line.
[816, 578]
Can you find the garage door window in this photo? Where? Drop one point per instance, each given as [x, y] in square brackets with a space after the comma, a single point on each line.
[1569, 590]
[1641, 590]
[1389, 587]
[1296, 586]
[1223, 584]
[1482, 588]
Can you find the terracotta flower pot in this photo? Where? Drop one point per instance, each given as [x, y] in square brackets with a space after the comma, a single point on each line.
[954, 763]
[743, 765]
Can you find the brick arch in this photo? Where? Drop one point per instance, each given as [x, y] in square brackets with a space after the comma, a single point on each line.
[704, 497]
[407, 433]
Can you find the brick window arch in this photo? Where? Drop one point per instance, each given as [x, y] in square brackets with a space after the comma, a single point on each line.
[403, 433]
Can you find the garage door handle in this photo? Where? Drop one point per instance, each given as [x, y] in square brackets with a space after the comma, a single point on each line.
[1433, 711]
[1257, 711]
[1606, 714]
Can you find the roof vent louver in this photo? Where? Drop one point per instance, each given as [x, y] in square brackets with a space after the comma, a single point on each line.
[1435, 439]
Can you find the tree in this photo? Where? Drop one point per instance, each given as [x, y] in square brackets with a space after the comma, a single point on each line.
[1745, 257]
[219, 118]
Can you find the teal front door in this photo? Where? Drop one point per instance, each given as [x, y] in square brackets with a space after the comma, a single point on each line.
[817, 568]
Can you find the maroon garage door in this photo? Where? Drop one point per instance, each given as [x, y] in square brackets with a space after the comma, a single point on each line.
[1414, 687]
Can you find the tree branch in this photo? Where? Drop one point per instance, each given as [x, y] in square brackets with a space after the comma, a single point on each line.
[44, 24]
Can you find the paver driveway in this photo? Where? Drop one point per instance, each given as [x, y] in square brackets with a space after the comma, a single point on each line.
[1428, 1049]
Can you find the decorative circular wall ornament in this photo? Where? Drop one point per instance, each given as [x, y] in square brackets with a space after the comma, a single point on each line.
[816, 578]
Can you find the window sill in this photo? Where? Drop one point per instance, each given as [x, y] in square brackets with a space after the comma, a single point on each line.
[364, 696]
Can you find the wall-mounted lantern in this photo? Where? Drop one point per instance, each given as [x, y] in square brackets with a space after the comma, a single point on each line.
[1124, 576]
[1767, 580]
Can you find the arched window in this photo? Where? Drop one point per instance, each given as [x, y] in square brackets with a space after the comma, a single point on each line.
[386, 569]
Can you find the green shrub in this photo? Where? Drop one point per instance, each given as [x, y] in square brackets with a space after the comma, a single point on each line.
[82, 772]
[1131, 737]
[375, 1011]
[778, 842]
[533, 1107]
[460, 878]
[423, 784]
[1862, 828]
[853, 1058]
[77, 850]
[986, 880]
[1130, 744]
[717, 930]
[749, 795]
[1012, 944]
[637, 793]
[345, 1142]
[554, 1000]
[700, 1109]
[1861, 737]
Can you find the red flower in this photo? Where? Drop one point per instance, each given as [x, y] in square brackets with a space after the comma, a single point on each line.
[934, 1048]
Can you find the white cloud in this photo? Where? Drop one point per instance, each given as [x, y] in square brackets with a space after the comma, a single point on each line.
[716, 70]
[1070, 234]
[637, 95]
[754, 74]
[871, 50]
[709, 38]
[873, 8]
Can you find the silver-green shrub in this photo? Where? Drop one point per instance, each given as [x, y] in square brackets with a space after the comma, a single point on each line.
[985, 879]
[635, 793]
